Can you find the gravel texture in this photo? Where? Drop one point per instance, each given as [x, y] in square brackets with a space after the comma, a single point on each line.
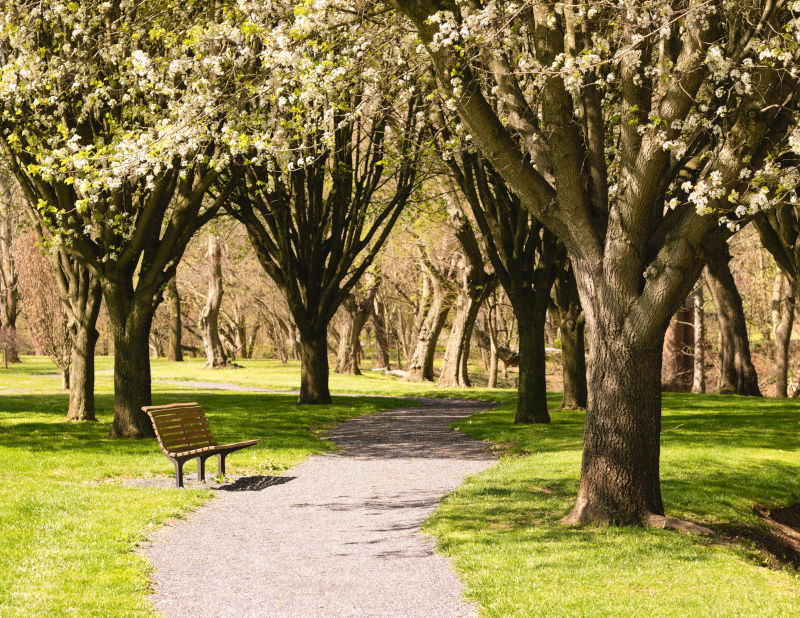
[339, 535]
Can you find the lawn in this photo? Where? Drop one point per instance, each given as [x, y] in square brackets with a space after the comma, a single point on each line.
[720, 455]
[71, 527]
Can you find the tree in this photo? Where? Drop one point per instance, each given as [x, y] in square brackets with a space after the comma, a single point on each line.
[174, 347]
[208, 324]
[474, 285]
[699, 360]
[359, 307]
[783, 305]
[525, 258]
[41, 299]
[572, 325]
[627, 130]
[677, 362]
[319, 196]
[104, 124]
[9, 305]
[778, 230]
[737, 372]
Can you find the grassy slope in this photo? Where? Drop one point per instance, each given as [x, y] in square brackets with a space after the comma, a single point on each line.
[719, 456]
[69, 529]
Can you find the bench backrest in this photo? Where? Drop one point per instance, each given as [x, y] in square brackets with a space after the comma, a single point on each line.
[180, 427]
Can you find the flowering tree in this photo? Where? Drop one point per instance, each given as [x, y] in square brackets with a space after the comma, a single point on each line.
[327, 150]
[107, 120]
[628, 129]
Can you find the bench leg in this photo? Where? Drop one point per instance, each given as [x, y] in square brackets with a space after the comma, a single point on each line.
[221, 461]
[178, 472]
[201, 469]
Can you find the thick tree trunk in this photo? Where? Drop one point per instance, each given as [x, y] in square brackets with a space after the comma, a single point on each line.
[65, 380]
[677, 364]
[783, 303]
[420, 366]
[314, 368]
[174, 347]
[454, 366]
[620, 468]
[81, 391]
[737, 373]
[208, 324]
[350, 342]
[532, 390]
[573, 359]
[346, 359]
[699, 366]
[131, 373]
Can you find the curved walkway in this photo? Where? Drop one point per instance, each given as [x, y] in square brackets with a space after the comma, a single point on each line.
[338, 536]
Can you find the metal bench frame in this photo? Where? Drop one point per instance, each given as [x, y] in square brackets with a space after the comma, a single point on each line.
[183, 433]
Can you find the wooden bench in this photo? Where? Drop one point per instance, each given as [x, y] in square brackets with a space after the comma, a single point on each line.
[183, 433]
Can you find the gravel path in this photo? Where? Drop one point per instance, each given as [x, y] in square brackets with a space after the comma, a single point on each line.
[338, 536]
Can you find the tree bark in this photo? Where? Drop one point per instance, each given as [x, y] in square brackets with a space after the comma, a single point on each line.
[737, 373]
[677, 364]
[131, 372]
[208, 324]
[620, 467]
[65, 381]
[699, 367]
[572, 325]
[359, 311]
[420, 367]
[456, 356]
[9, 295]
[783, 304]
[81, 386]
[532, 390]
[381, 336]
[174, 347]
[314, 368]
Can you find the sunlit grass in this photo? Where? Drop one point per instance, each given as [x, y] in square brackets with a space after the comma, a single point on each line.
[70, 528]
[720, 455]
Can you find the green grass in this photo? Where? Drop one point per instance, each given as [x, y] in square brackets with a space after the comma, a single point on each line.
[720, 455]
[69, 528]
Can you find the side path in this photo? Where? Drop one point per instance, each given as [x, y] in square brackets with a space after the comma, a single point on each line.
[340, 537]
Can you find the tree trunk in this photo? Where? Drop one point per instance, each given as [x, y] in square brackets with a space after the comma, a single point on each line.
[782, 321]
[346, 361]
[677, 364]
[453, 372]
[208, 324]
[737, 374]
[65, 381]
[572, 325]
[699, 367]
[620, 467]
[314, 368]
[381, 337]
[493, 355]
[174, 349]
[532, 390]
[131, 374]
[81, 391]
[420, 366]
[573, 360]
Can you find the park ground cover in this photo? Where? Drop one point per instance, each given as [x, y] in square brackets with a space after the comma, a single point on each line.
[720, 455]
[71, 528]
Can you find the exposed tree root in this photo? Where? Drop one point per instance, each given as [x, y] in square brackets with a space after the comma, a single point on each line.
[673, 523]
[584, 514]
